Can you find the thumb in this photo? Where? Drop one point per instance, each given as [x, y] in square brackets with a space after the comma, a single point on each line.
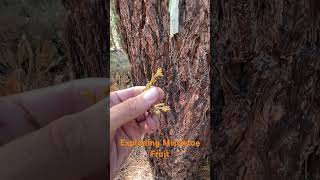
[132, 108]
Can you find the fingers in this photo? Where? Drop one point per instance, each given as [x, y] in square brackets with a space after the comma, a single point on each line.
[151, 124]
[117, 97]
[72, 146]
[48, 104]
[132, 108]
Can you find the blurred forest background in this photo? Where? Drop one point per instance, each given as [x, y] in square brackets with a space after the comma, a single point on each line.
[49, 42]
[32, 52]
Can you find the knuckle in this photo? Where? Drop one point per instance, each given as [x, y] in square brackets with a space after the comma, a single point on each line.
[131, 105]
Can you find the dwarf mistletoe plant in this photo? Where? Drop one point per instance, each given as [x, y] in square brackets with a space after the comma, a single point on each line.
[161, 107]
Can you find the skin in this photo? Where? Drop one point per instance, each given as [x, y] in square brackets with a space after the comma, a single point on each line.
[56, 133]
[134, 125]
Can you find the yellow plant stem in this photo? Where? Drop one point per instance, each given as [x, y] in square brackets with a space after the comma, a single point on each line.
[161, 107]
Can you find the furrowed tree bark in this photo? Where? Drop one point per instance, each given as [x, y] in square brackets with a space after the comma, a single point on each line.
[185, 59]
[266, 89]
[86, 37]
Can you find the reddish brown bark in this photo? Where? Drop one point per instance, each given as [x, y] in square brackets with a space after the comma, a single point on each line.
[266, 90]
[86, 37]
[185, 58]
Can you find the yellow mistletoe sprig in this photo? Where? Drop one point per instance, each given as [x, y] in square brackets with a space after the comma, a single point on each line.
[161, 107]
[154, 78]
[158, 108]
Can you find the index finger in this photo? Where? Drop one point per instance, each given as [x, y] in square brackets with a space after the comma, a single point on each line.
[117, 97]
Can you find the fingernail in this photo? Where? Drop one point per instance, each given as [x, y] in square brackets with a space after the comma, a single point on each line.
[151, 94]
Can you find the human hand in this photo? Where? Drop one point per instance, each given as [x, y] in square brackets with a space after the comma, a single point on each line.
[130, 120]
[55, 133]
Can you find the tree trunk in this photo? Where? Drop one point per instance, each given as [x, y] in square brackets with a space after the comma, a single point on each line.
[86, 37]
[185, 59]
[266, 89]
